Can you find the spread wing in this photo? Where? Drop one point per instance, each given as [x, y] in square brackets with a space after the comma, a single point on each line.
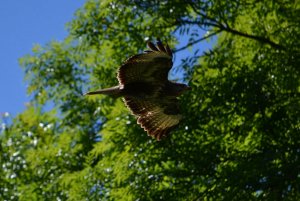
[151, 66]
[156, 117]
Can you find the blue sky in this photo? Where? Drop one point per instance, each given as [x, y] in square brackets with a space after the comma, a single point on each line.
[23, 24]
[30, 22]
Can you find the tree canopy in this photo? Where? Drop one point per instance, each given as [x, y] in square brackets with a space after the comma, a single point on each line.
[239, 140]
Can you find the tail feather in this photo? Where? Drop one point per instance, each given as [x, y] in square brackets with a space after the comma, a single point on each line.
[108, 91]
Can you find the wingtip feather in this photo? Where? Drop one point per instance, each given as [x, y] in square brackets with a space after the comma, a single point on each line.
[168, 50]
[160, 46]
[151, 46]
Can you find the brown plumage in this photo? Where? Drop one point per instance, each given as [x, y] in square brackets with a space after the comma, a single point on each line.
[143, 82]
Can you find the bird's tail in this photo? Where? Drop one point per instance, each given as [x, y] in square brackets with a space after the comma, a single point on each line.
[108, 91]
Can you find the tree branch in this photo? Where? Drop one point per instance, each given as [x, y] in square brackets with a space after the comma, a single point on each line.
[233, 31]
[225, 27]
[258, 38]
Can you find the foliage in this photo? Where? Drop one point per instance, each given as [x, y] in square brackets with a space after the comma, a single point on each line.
[240, 136]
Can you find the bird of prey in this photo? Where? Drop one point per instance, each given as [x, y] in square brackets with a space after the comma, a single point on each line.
[146, 90]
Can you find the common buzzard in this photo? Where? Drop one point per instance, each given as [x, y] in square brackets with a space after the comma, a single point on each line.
[147, 92]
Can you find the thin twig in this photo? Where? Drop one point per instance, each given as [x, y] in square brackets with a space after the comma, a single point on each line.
[197, 41]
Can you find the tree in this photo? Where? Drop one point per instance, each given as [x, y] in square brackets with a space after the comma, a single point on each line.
[240, 136]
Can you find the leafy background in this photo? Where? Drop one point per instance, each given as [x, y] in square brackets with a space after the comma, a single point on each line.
[239, 139]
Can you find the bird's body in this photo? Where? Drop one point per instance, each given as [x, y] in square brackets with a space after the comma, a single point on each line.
[147, 92]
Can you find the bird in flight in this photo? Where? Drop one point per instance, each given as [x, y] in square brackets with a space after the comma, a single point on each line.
[147, 92]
